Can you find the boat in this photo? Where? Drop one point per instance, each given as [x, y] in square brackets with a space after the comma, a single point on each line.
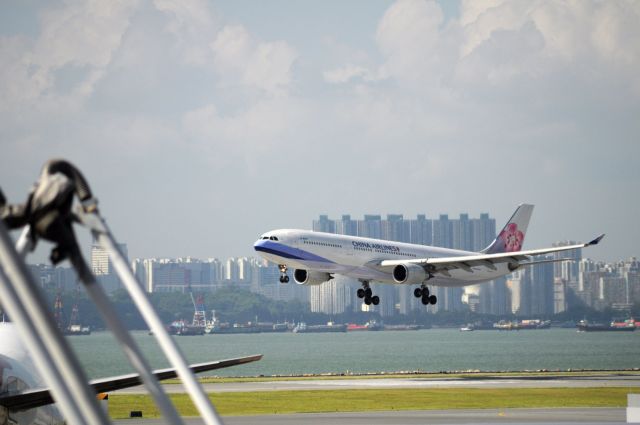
[371, 325]
[75, 330]
[466, 329]
[228, 328]
[481, 325]
[181, 327]
[515, 325]
[534, 324]
[628, 325]
[504, 325]
[302, 327]
[401, 327]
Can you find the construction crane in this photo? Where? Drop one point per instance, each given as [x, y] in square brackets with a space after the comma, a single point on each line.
[199, 315]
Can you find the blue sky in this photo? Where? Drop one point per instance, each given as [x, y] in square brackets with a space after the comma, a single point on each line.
[202, 124]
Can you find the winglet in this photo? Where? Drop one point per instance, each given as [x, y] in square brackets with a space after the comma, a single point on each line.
[596, 240]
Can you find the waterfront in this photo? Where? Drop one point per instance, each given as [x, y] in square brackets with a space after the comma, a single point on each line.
[429, 350]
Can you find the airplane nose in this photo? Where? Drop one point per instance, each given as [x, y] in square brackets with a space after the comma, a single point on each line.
[258, 244]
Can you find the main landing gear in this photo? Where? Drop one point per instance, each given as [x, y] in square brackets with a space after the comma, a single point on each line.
[283, 273]
[366, 293]
[423, 292]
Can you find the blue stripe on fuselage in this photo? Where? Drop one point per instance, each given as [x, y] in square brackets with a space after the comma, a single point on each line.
[285, 251]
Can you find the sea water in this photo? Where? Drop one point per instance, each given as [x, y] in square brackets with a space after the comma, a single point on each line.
[429, 350]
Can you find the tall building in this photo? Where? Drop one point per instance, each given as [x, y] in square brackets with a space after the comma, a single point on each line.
[333, 297]
[483, 232]
[542, 288]
[102, 267]
[559, 295]
[567, 270]
[519, 283]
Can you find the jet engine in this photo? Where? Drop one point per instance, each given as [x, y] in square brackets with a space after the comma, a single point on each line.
[304, 277]
[410, 274]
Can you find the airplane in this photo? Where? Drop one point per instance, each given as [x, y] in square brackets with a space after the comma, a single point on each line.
[25, 401]
[317, 257]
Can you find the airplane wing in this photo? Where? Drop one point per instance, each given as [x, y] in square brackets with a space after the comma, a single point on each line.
[41, 396]
[521, 258]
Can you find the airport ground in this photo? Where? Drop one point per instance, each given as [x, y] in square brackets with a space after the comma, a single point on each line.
[462, 399]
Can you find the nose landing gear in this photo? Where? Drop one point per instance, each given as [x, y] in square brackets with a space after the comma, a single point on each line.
[283, 273]
[366, 293]
[423, 292]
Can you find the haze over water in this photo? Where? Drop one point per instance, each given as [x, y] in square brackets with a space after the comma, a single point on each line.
[430, 350]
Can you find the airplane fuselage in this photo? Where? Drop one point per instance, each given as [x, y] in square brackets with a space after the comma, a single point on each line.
[17, 374]
[359, 257]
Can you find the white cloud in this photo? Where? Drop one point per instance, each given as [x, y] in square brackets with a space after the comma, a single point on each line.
[349, 72]
[241, 60]
[409, 37]
[192, 24]
[351, 119]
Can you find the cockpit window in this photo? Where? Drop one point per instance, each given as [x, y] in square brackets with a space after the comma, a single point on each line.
[273, 238]
[265, 237]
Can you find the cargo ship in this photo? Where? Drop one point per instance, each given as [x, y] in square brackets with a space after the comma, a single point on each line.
[628, 325]
[302, 327]
[371, 325]
[402, 327]
[504, 325]
[235, 328]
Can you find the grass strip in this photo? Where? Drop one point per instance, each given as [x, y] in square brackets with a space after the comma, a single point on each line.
[426, 375]
[322, 401]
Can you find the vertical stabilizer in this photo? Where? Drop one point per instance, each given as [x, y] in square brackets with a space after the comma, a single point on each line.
[511, 238]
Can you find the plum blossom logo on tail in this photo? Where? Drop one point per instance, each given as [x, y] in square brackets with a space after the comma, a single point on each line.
[512, 238]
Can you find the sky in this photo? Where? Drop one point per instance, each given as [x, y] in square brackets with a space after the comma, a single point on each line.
[202, 124]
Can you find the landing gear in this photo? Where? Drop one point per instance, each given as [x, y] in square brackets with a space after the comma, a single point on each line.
[366, 293]
[431, 299]
[423, 292]
[283, 273]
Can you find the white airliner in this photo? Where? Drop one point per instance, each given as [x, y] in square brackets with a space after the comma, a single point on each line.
[25, 401]
[317, 257]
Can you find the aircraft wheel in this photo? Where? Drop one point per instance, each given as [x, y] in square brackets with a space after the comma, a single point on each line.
[417, 292]
[281, 279]
[375, 300]
[286, 279]
[368, 293]
[360, 293]
[367, 300]
[425, 300]
[433, 299]
[425, 291]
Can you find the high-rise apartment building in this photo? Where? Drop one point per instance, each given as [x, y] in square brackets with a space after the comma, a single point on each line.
[102, 267]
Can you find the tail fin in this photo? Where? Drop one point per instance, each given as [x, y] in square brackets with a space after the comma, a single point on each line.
[511, 238]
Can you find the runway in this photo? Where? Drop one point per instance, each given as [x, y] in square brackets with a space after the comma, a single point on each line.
[449, 417]
[602, 380]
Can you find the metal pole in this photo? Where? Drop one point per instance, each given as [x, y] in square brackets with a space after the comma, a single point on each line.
[24, 244]
[131, 350]
[168, 345]
[54, 358]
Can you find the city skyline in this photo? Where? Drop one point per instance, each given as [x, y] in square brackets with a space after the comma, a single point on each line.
[200, 125]
[540, 290]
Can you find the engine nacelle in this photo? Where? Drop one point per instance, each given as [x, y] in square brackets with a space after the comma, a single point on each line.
[410, 274]
[304, 277]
